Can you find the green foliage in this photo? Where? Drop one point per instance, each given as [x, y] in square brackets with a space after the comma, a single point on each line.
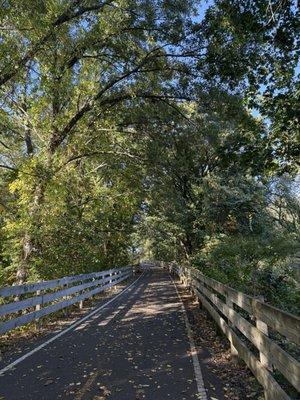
[70, 171]
[252, 46]
[127, 130]
[208, 206]
[256, 265]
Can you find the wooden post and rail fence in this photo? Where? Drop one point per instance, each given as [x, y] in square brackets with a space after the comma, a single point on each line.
[25, 303]
[253, 328]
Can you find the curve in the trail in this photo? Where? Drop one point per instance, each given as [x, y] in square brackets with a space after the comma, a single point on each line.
[136, 346]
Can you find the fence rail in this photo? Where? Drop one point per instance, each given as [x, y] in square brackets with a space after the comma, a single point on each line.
[246, 321]
[54, 295]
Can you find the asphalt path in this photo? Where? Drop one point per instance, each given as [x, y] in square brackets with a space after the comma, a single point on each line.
[138, 346]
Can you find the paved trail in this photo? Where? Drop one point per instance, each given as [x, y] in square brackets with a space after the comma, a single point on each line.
[137, 347]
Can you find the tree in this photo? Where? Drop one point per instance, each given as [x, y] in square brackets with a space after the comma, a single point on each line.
[129, 126]
[66, 66]
[210, 200]
[253, 47]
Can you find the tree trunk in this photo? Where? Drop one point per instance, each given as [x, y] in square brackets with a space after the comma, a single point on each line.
[27, 241]
[27, 248]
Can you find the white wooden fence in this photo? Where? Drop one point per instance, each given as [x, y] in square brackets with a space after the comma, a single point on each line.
[19, 305]
[247, 322]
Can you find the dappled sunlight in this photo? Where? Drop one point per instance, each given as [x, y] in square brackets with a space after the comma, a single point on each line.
[135, 348]
[142, 140]
[86, 386]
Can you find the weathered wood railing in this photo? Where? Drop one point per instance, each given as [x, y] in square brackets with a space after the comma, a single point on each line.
[246, 321]
[54, 295]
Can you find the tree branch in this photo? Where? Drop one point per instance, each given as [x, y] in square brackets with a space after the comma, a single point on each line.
[4, 145]
[8, 167]
[63, 18]
[98, 153]
[57, 139]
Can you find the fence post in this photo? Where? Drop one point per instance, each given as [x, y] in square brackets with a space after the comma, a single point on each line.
[233, 350]
[265, 361]
[200, 305]
[110, 282]
[65, 310]
[37, 308]
[193, 289]
[80, 304]
[115, 285]
[263, 327]
[189, 280]
[181, 275]
[184, 277]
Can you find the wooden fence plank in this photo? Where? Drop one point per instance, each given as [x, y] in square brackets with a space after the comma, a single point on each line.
[266, 316]
[262, 374]
[240, 299]
[283, 322]
[46, 298]
[26, 318]
[33, 287]
[263, 327]
[233, 350]
[285, 363]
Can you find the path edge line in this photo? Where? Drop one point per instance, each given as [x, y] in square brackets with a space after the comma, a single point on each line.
[197, 369]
